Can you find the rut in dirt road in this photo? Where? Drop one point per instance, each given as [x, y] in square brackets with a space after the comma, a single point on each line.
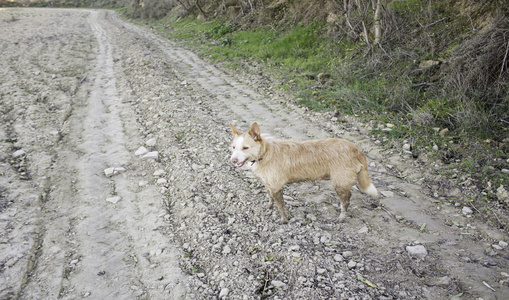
[93, 230]
[86, 90]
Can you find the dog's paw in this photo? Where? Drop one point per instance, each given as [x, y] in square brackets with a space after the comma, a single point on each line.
[342, 217]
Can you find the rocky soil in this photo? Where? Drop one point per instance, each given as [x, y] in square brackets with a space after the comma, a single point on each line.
[115, 184]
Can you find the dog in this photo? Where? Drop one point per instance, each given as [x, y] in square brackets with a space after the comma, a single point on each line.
[278, 162]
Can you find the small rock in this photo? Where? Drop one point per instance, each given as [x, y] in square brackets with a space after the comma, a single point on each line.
[227, 250]
[113, 171]
[351, 264]
[338, 258]
[18, 153]
[503, 194]
[141, 151]
[113, 200]
[419, 251]
[363, 229]
[502, 244]
[347, 254]
[321, 271]
[444, 132]
[466, 210]
[387, 194]
[151, 155]
[294, 248]
[278, 283]
[162, 181]
[435, 147]
[407, 147]
[443, 281]
[224, 292]
[496, 247]
[505, 171]
[151, 143]
[425, 64]
[159, 173]
[142, 183]
[389, 125]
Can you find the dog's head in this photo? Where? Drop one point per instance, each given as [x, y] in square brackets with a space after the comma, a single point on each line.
[246, 146]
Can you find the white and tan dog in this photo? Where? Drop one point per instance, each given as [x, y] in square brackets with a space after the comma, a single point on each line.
[278, 162]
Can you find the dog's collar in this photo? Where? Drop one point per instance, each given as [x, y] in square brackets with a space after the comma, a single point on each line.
[256, 160]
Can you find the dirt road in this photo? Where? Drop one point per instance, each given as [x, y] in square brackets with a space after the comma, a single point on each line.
[115, 184]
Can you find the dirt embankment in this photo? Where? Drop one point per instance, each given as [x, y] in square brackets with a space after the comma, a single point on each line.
[81, 91]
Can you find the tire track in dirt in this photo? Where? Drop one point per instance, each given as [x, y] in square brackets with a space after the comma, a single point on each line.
[84, 245]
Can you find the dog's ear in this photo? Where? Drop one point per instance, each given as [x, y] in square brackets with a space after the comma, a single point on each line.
[235, 131]
[254, 132]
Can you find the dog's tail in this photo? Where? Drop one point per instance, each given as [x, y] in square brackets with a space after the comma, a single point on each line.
[364, 182]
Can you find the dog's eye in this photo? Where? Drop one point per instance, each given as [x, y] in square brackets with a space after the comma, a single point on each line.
[233, 147]
[245, 148]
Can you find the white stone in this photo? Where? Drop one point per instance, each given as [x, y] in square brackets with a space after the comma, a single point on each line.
[418, 250]
[406, 147]
[278, 284]
[502, 244]
[114, 200]
[18, 153]
[151, 143]
[159, 173]
[113, 171]
[224, 292]
[162, 181]
[338, 258]
[364, 229]
[142, 183]
[351, 264]
[347, 254]
[151, 155]
[294, 248]
[141, 151]
[466, 210]
[387, 194]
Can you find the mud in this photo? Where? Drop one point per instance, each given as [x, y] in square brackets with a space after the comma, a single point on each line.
[82, 90]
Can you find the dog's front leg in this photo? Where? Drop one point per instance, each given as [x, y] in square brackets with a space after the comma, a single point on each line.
[277, 196]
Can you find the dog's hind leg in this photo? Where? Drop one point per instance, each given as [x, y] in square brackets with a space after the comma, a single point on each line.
[343, 191]
[271, 201]
[277, 196]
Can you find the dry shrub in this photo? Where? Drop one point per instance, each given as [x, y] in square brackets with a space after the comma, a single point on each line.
[151, 9]
[476, 76]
